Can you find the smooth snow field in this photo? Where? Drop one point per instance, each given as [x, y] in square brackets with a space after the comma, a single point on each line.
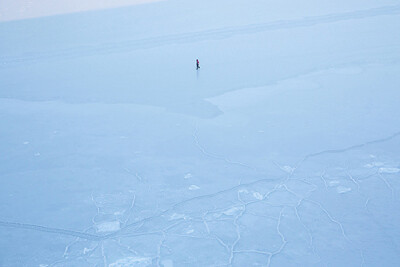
[283, 149]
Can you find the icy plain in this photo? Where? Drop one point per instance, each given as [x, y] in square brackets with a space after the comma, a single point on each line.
[282, 150]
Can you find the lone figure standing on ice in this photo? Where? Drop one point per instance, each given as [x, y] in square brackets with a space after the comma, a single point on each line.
[197, 64]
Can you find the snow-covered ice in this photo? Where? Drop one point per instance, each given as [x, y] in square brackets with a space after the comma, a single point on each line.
[108, 226]
[131, 261]
[282, 150]
[342, 189]
[194, 187]
[389, 170]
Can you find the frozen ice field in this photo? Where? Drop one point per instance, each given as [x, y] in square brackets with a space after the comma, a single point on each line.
[282, 150]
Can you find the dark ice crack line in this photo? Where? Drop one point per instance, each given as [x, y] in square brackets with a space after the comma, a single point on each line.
[343, 150]
[221, 33]
[51, 230]
[281, 184]
[93, 237]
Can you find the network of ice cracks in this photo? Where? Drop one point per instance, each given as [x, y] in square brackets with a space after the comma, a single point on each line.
[333, 208]
[327, 202]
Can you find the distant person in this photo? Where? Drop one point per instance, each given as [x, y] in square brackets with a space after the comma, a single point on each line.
[197, 64]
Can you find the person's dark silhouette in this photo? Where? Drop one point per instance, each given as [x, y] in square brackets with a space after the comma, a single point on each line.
[197, 64]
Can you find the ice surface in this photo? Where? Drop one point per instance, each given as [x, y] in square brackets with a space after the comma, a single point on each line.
[132, 261]
[282, 150]
[24, 9]
[194, 187]
[108, 226]
[389, 170]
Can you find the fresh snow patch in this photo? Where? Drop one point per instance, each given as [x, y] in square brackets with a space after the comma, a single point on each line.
[389, 170]
[118, 213]
[177, 216]
[86, 250]
[232, 211]
[333, 183]
[108, 226]
[132, 261]
[342, 189]
[373, 164]
[188, 175]
[288, 169]
[258, 196]
[194, 187]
